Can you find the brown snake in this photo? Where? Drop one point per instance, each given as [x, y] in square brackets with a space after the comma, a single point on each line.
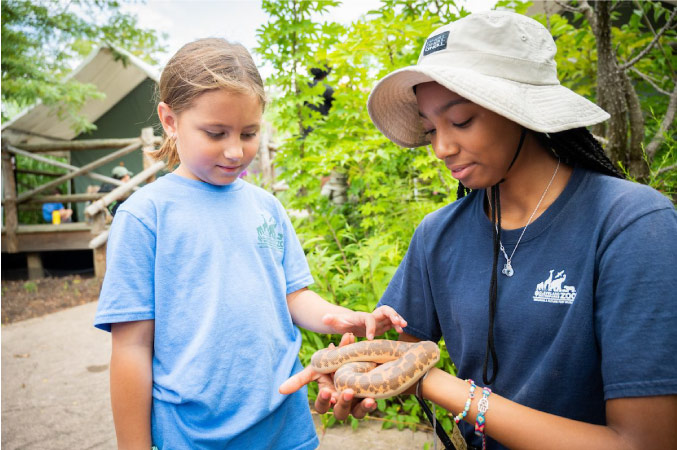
[401, 365]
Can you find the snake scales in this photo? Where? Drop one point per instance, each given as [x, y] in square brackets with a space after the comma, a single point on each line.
[356, 365]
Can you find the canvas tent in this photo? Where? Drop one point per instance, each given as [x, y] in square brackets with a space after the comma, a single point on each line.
[128, 106]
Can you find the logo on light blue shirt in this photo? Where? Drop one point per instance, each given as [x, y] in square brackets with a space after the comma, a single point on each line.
[268, 237]
[553, 290]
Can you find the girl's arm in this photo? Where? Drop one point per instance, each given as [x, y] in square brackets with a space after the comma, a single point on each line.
[632, 423]
[131, 383]
[310, 311]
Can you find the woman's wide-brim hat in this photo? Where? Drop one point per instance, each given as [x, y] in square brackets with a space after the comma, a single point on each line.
[500, 60]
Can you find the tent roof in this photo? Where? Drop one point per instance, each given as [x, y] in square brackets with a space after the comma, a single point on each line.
[112, 77]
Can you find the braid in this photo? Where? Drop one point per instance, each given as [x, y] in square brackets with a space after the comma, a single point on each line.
[579, 147]
[462, 191]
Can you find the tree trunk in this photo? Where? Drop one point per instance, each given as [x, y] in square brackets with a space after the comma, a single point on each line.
[610, 86]
[617, 95]
[636, 164]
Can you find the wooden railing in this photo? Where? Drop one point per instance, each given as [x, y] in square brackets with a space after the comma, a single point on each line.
[96, 212]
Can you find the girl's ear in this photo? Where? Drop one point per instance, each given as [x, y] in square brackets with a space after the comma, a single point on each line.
[167, 117]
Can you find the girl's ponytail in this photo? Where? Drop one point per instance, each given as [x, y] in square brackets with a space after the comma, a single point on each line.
[167, 152]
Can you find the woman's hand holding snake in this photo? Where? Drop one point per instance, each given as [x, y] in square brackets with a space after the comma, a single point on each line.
[344, 404]
[371, 369]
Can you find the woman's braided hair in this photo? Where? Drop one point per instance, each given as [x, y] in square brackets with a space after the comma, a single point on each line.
[575, 147]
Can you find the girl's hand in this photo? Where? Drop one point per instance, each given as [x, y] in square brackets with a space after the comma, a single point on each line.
[327, 396]
[365, 324]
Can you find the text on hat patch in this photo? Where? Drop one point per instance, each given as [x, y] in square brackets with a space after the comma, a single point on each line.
[436, 43]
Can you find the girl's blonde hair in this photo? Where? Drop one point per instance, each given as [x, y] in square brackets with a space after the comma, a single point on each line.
[201, 66]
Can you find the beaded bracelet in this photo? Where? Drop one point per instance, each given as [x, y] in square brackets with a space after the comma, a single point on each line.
[482, 408]
[471, 395]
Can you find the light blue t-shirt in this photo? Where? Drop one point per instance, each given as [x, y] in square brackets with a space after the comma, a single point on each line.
[589, 315]
[212, 266]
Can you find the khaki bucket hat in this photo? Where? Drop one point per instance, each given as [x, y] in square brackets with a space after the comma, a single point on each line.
[500, 60]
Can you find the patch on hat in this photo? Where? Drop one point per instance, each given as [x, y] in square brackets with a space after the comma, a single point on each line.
[436, 43]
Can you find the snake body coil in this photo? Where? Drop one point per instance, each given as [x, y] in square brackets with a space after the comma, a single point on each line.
[401, 365]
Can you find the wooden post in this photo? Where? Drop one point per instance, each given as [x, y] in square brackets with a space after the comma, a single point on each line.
[148, 146]
[98, 226]
[10, 204]
[35, 270]
[100, 261]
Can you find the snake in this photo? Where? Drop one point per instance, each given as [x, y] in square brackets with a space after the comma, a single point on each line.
[379, 368]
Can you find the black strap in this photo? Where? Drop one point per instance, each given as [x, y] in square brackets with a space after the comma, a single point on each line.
[523, 135]
[495, 206]
[448, 445]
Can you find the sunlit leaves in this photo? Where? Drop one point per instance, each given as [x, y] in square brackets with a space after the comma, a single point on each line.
[43, 41]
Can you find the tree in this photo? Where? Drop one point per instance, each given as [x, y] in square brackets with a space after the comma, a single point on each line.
[41, 42]
[632, 67]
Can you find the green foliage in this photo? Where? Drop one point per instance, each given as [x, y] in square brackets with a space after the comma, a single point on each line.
[663, 173]
[42, 41]
[353, 249]
[653, 76]
[30, 287]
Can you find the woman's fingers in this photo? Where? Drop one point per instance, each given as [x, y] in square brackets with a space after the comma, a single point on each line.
[325, 400]
[344, 404]
[362, 408]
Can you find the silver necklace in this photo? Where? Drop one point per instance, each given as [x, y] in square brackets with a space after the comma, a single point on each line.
[507, 270]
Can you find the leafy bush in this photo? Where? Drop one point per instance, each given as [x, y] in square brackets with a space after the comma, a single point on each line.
[353, 248]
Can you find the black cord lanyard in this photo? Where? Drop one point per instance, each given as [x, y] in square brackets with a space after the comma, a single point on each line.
[448, 445]
[495, 206]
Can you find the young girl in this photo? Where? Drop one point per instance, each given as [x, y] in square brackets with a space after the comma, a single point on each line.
[206, 280]
[553, 280]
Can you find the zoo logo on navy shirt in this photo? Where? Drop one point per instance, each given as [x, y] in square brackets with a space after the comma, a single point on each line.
[553, 290]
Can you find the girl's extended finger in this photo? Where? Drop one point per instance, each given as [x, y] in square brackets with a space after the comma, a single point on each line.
[296, 382]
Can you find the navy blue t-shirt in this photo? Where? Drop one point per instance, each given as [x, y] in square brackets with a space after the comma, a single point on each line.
[589, 315]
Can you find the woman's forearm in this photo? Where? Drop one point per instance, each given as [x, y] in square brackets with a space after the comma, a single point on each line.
[517, 426]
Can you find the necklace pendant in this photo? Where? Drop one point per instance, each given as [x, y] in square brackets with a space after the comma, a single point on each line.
[507, 270]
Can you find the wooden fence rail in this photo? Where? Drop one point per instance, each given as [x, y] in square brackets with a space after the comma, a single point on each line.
[36, 238]
[89, 144]
[93, 175]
